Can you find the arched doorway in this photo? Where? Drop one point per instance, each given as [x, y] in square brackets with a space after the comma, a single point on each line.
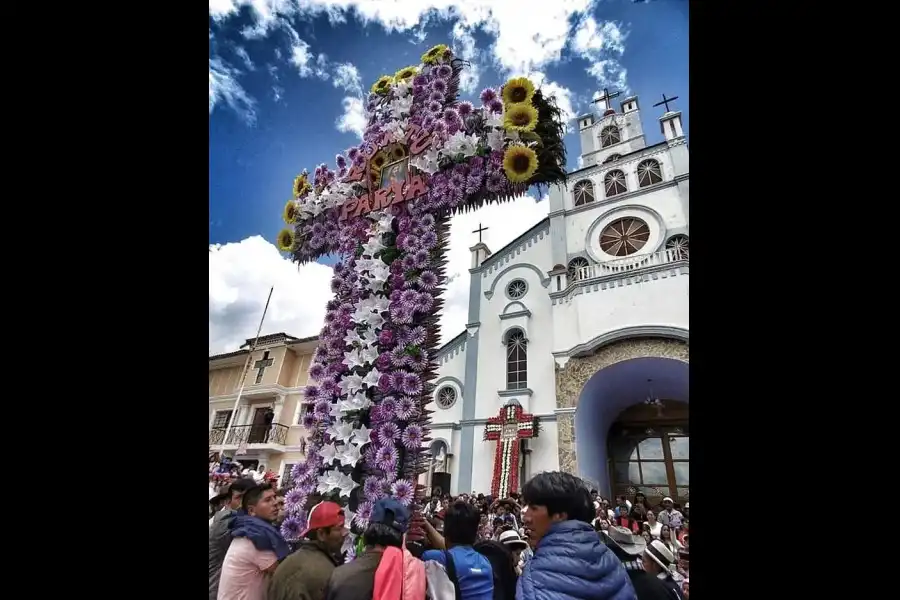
[649, 452]
[616, 406]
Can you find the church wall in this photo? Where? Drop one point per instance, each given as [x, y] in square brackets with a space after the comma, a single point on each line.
[452, 372]
[662, 301]
[544, 451]
[530, 266]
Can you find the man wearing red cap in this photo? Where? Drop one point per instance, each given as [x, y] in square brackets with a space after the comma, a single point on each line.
[305, 573]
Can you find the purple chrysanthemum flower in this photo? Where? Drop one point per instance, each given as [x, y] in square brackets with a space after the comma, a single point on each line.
[437, 97]
[408, 297]
[372, 488]
[403, 491]
[439, 129]
[406, 408]
[386, 458]
[323, 407]
[496, 106]
[408, 262]
[316, 372]
[422, 257]
[464, 108]
[450, 115]
[399, 358]
[420, 79]
[294, 497]
[496, 182]
[444, 71]
[291, 528]
[329, 386]
[488, 95]
[419, 91]
[388, 432]
[412, 437]
[435, 107]
[429, 239]
[411, 384]
[388, 408]
[416, 335]
[424, 303]
[309, 420]
[364, 513]
[311, 393]
[439, 85]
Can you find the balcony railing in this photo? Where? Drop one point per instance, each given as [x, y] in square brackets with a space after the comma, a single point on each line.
[632, 263]
[250, 434]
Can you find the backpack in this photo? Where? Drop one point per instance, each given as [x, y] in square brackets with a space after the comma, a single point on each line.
[501, 565]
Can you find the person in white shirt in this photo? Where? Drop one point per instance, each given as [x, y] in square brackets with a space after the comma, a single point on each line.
[655, 526]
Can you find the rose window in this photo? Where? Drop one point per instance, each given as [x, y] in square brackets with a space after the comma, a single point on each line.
[446, 397]
[624, 236]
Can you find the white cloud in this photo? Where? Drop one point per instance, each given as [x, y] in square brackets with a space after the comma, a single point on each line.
[464, 48]
[346, 77]
[224, 87]
[240, 275]
[602, 45]
[242, 54]
[354, 117]
[505, 222]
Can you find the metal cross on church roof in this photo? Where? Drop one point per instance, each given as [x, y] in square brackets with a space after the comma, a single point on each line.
[666, 102]
[607, 96]
[479, 230]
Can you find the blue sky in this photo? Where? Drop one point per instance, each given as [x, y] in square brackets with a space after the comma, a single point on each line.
[286, 77]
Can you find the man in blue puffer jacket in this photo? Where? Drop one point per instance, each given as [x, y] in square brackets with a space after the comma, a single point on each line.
[570, 561]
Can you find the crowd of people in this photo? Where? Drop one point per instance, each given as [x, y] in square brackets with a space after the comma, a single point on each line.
[557, 540]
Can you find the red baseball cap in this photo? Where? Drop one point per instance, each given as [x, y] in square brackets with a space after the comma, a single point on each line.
[324, 514]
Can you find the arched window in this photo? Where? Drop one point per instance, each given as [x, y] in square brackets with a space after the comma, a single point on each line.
[614, 182]
[649, 172]
[516, 361]
[609, 136]
[584, 192]
[575, 268]
[612, 158]
[678, 247]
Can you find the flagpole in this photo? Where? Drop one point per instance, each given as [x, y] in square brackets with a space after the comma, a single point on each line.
[237, 401]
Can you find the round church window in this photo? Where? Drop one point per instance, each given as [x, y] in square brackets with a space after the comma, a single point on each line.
[446, 397]
[516, 289]
[624, 236]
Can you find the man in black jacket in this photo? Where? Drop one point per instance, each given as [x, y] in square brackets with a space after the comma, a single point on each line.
[629, 548]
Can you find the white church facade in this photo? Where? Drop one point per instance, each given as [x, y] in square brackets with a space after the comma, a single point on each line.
[582, 321]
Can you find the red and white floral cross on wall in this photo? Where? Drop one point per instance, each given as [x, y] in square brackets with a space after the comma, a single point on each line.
[507, 428]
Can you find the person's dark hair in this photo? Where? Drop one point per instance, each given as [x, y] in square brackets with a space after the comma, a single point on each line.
[461, 524]
[253, 495]
[241, 485]
[281, 492]
[379, 534]
[560, 493]
[311, 534]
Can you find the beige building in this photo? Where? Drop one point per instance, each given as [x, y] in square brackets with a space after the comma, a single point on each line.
[276, 378]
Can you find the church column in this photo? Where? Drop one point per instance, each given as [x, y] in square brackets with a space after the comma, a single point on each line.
[565, 427]
[278, 408]
[558, 244]
[480, 253]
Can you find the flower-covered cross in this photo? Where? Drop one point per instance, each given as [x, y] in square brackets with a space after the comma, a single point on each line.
[385, 212]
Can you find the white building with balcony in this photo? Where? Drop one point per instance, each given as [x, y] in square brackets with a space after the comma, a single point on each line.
[583, 321]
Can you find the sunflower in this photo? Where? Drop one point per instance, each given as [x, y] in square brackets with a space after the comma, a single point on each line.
[301, 186]
[519, 163]
[286, 240]
[290, 212]
[382, 85]
[518, 89]
[520, 117]
[434, 55]
[405, 73]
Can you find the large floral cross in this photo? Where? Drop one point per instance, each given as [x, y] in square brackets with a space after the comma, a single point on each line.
[385, 212]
